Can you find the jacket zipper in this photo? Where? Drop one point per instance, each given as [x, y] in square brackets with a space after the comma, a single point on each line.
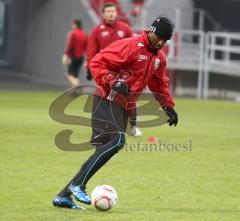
[151, 56]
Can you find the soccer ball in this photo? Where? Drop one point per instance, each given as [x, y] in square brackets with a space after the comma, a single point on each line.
[104, 197]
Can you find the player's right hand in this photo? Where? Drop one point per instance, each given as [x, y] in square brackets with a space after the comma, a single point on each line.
[121, 88]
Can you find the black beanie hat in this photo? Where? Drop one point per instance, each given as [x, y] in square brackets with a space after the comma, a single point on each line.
[162, 27]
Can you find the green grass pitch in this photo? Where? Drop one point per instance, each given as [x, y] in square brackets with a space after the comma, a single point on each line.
[198, 185]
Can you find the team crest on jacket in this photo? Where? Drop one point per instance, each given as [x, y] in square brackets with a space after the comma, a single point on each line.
[157, 63]
[121, 34]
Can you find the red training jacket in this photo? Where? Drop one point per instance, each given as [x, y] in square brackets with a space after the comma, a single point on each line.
[105, 34]
[76, 44]
[136, 62]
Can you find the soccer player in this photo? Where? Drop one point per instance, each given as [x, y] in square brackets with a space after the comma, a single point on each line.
[74, 54]
[103, 35]
[110, 30]
[117, 90]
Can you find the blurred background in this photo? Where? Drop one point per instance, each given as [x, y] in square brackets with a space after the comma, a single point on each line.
[203, 58]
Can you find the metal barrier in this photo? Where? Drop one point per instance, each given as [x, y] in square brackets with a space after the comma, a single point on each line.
[221, 56]
[186, 52]
[212, 52]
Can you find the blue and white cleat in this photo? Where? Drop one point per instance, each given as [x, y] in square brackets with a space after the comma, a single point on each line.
[80, 194]
[66, 202]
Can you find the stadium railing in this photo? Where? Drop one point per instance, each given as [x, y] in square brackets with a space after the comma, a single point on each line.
[212, 52]
[221, 56]
[186, 52]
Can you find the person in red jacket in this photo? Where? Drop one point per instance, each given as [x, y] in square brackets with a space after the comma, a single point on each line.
[74, 53]
[122, 70]
[104, 34]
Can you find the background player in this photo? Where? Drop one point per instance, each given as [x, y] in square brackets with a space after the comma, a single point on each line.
[110, 30]
[74, 54]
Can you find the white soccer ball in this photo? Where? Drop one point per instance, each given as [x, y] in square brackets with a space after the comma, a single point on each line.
[104, 197]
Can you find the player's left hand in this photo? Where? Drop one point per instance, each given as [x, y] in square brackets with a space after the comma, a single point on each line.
[173, 116]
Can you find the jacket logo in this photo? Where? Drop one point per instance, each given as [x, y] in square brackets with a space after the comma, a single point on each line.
[157, 63]
[121, 34]
[142, 57]
[105, 33]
